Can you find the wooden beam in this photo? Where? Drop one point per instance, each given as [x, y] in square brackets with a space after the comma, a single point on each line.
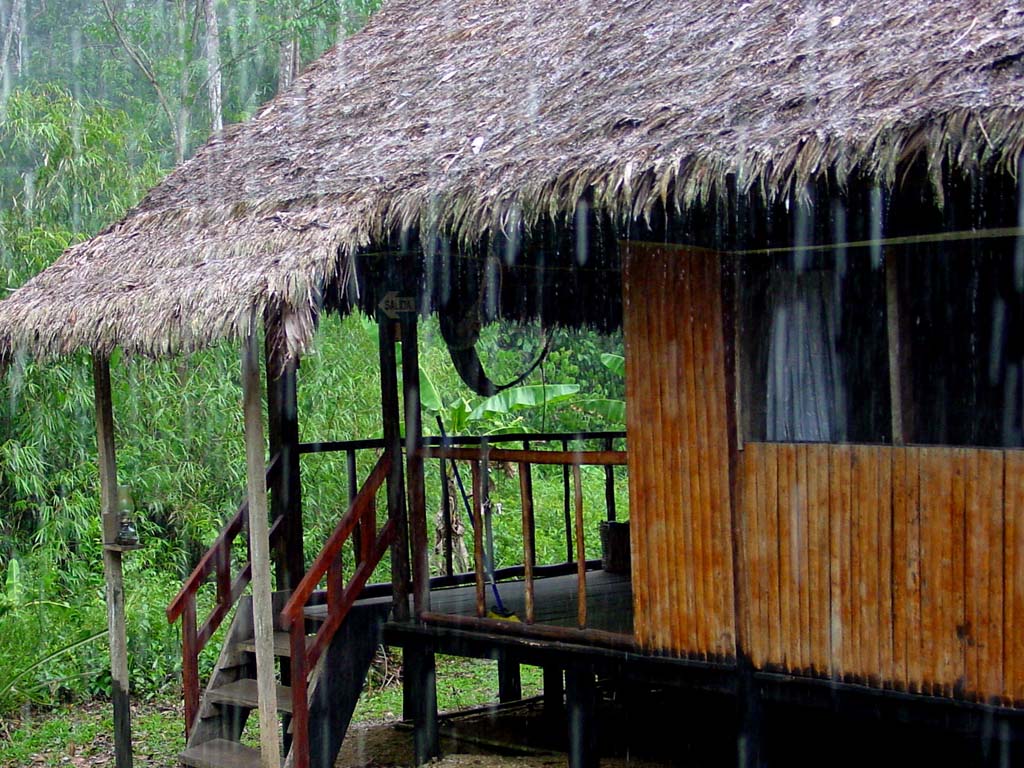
[414, 467]
[396, 493]
[259, 547]
[581, 703]
[113, 576]
[283, 432]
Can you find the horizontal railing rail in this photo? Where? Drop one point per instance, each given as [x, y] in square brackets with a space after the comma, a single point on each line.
[216, 561]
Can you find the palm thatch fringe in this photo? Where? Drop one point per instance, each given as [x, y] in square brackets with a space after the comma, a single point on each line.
[470, 118]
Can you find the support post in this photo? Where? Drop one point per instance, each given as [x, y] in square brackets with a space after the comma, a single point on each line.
[510, 682]
[283, 429]
[259, 547]
[554, 693]
[113, 575]
[581, 702]
[414, 463]
[421, 700]
[396, 493]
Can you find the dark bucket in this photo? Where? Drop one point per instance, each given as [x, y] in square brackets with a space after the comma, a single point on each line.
[615, 547]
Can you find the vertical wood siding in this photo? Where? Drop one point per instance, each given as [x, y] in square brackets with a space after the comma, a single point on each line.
[894, 567]
[680, 518]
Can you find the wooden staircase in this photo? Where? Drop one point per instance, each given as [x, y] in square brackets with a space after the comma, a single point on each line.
[324, 643]
[334, 688]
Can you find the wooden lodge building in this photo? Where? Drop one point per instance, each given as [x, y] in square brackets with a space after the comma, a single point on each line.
[808, 222]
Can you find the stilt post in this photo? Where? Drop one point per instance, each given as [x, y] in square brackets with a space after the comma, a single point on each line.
[259, 547]
[113, 575]
[396, 493]
[283, 432]
[414, 464]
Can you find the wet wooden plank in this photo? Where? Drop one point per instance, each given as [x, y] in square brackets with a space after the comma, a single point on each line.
[912, 573]
[755, 597]
[638, 411]
[771, 550]
[991, 470]
[725, 640]
[974, 577]
[1013, 576]
[788, 562]
[953, 673]
[679, 578]
[937, 567]
[697, 450]
[865, 564]
[837, 561]
[820, 557]
[803, 585]
[883, 457]
[900, 549]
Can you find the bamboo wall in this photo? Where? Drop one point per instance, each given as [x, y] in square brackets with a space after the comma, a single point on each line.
[900, 567]
[680, 519]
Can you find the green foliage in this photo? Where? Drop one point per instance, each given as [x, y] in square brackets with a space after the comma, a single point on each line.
[81, 144]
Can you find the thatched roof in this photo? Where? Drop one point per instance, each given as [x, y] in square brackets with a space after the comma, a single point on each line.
[470, 115]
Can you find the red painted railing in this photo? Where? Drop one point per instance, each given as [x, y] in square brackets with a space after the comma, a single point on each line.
[217, 560]
[361, 517]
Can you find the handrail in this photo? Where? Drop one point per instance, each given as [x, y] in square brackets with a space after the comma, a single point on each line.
[216, 560]
[340, 446]
[353, 516]
[206, 563]
[360, 516]
[560, 458]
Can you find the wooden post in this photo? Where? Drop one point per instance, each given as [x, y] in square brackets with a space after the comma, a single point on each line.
[510, 681]
[581, 703]
[283, 429]
[396, 494]
[113, 575]
[421, 686]
[259, 547]
[414, 463]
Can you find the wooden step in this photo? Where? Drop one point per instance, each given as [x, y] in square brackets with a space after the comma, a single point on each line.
[282, 644]
[220, 753]
[242, 693]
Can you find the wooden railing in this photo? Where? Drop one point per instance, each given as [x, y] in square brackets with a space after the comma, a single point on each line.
[449, 573]
[479, 459]
[360, 519]
[217, 560]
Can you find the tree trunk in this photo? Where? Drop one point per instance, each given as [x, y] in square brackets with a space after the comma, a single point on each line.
[213, 82]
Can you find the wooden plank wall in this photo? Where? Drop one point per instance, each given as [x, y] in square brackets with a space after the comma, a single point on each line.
[894, 567]
[680, 519]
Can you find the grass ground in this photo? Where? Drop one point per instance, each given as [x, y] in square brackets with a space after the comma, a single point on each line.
[80, 735]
